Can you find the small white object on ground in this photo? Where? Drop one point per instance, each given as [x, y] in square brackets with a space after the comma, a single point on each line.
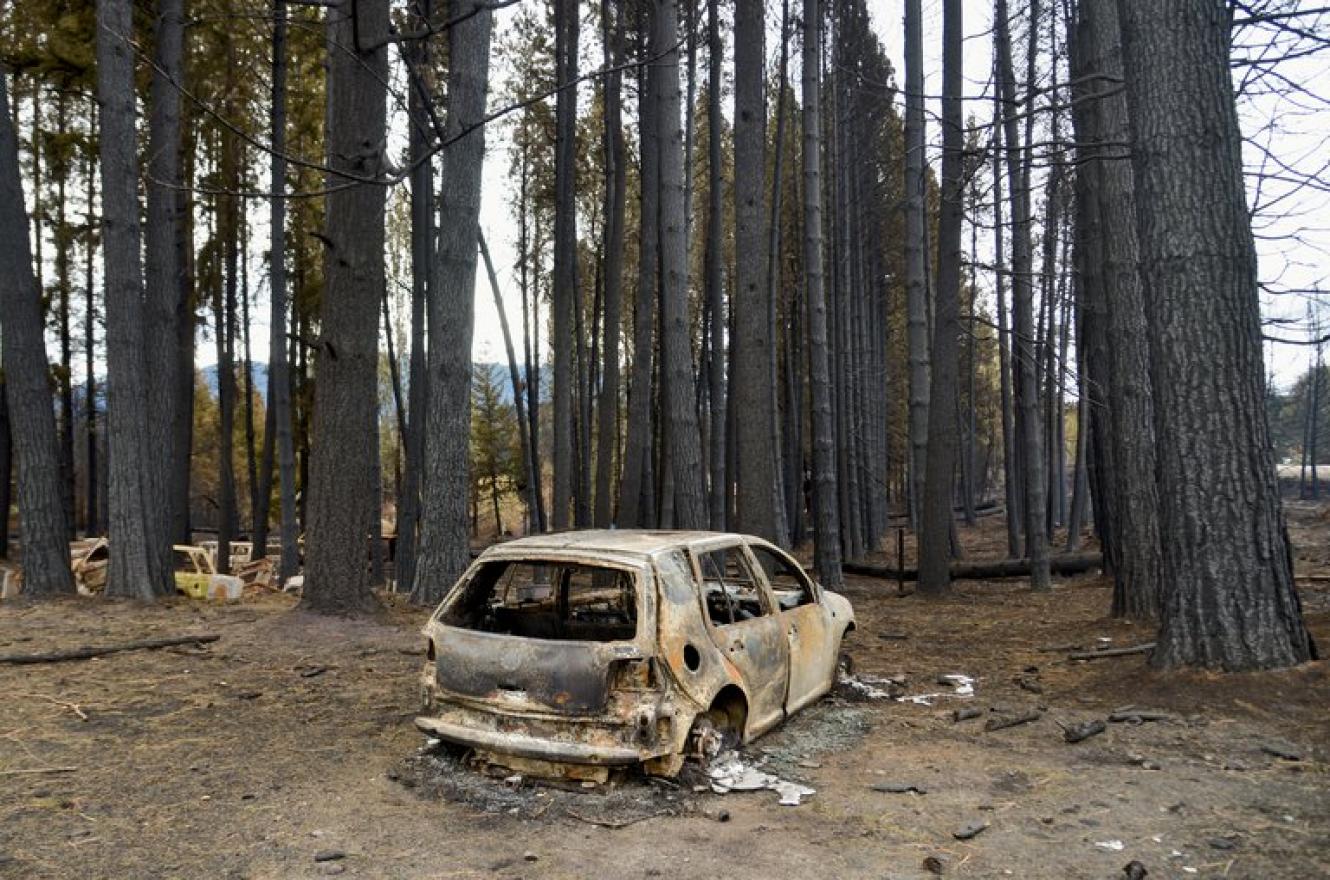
[1111, 845]
[728, 772]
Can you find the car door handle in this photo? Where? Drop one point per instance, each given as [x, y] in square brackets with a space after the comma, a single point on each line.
[737, 645]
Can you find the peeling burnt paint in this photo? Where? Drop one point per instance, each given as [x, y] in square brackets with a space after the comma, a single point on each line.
[560, 704]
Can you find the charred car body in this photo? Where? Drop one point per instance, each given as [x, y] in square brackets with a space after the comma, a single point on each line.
[573, 652]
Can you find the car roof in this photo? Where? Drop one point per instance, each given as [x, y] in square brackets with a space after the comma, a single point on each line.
[636, 542]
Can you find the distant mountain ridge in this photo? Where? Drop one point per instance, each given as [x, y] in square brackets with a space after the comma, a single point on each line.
[259, 372]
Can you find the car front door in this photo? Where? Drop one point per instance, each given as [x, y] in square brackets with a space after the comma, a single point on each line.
[804, 618]
[746, 628]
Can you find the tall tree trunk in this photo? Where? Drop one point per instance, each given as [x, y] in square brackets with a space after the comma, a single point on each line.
[616, 188]
[340, 469]
[679, 421]
[756, 481]
[163, 268]
[31, 430]
[182, 430]
[251, 456]
[826, 539]
[417, 56]
[1129, 414]
[444, 548]
[60, 166]
[565, 257]
[91, 503]
[6, 454]
[279, 377]
[140, 547]
[229, 230]
[1010, 476]
[916, 241]
[1027, 388]
[636, 498]
[940, 463]
[1230, 602]
[715, 271]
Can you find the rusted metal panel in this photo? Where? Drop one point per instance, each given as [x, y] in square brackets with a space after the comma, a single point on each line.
[566, 677]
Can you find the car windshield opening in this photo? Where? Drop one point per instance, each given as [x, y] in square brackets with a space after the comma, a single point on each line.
[544, 599]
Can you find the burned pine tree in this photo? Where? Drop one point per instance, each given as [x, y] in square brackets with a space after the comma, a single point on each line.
[340, 469]
[1230, 602]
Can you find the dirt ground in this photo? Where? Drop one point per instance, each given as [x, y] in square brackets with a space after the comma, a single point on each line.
[285, 750]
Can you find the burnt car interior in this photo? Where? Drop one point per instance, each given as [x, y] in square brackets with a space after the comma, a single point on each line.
[730, 589]
[789, 585]
[556, 600]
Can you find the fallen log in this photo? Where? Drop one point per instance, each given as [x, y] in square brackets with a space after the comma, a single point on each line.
[1069, 563]
[89, 651]
[1143, 648]
[1002, 722]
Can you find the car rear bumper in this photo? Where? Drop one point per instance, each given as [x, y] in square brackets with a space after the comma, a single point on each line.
[525, 745]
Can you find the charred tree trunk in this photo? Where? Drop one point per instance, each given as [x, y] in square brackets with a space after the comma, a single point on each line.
[916, 241]
[1027, 388]
[1230, 602]
[637, 497]
[715, 273]
[31, 430]
[616, 188]
[756, 503]
[1010, 476]
[679, 417]
[826, 521]
[164, 269]
[1129, 416]
[140, 547]
[422, 262]
[340, 469]
[444, 548]
[565, 259]
[940, 465]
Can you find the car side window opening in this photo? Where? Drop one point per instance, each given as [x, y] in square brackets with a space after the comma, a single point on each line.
[548, 600]
[729, 586]
[789, 584]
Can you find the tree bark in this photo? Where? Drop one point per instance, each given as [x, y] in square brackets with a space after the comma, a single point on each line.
[163, 269]
[679, 423]
[1010, 476]
[279, 377]
[565, 258]
[31, 429]
[340, 469]
[636, 498]
[140, 548]
[940, 464]
[1230, 602]
[616, 188]
[715, 272]
[916, 240]
[1137, 569]
[826, 539]
[1027, 390]
[444, 548]
[756, 503]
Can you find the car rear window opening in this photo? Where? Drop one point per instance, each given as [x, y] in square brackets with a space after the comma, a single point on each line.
[548, 600]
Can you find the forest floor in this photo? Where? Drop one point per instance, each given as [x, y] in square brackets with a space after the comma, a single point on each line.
[286, 750]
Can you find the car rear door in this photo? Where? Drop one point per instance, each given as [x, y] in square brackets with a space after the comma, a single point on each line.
[746, 628]
[813, 643]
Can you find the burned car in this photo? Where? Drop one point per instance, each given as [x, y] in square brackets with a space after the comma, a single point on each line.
[569, 653]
